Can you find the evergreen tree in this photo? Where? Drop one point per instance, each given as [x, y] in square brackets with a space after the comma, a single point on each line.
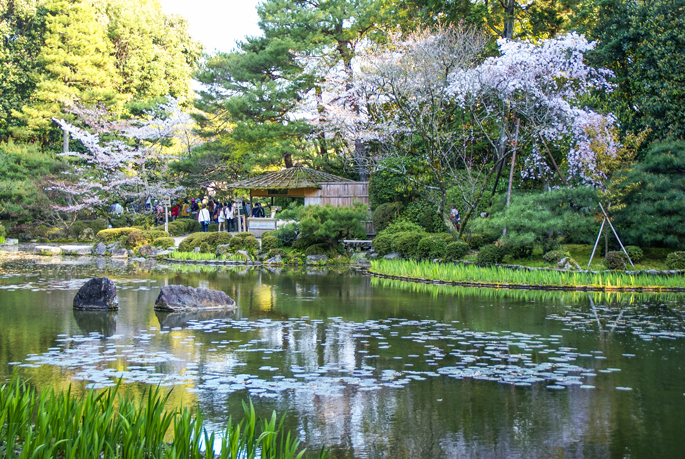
[77, 64]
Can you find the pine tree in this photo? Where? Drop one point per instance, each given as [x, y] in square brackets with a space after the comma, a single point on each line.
[77, 65]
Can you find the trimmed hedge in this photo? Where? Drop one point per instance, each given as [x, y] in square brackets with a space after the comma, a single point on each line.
[164, 242]
[456, 250]
[676, 260]
[196, 240]
[273, 252]
[635, 253]
[113, 234]
[287, 234]
[432, 246]
[489, 255]
[406, 244]
[385, 214]
[553, 257]
[244, 241]
[140, 238]
[320, 249]
[270, 242]
[382, 244]
[615, 260]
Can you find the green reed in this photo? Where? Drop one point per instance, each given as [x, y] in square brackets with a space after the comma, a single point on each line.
[497, 275]
[109, 424]
[194, 256]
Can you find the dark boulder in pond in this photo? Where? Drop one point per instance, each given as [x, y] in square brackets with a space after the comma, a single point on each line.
[98, 294]
[176, 298]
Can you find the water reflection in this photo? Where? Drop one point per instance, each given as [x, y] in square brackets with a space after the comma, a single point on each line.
[102, 322]
[376, 369]
[180, 319]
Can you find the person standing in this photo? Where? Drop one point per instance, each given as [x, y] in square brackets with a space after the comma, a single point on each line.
[454, 217]
[221, 216]
[203, 217]
[174, 212]
[118, 210]
[185, 210]
[230, 216]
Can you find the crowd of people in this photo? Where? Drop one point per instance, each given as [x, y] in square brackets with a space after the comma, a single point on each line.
[230, 215]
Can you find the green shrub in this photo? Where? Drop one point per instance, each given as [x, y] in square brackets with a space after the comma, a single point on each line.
[155, 234]
[550, 244]
[320, 249]
[268, 233]
[432, 246]
[287, 234]
[519, 245]
[137, 239]
[456, 250]
[196, 239]
[163, 242]
[402, 226]
[635, 253]
[269, 242]
[553, 257]
[489, 255]
[382, 243]
[476, 240]
[406, 244]
[204, 247]
[3, 233]
[386, 214]
[615, 260]
[96, 225]
[182, 226]
[113, 234]
[425, 214]
[244, 241]
[273, 252]
[334, 223]
[303, 242]
[676, 260]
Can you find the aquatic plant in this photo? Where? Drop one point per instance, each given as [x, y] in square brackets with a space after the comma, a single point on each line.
[498, 276]
[112, 424]
[194, 256]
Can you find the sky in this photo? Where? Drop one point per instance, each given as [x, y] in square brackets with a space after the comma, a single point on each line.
[217, 24]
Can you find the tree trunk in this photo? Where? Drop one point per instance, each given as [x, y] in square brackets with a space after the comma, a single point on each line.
[469, 212]
[288, 160]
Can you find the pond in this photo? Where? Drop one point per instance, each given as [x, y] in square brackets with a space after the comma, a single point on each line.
[372, 368]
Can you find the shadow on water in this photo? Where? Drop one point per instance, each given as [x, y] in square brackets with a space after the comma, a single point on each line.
[101, 322]
[179, 319]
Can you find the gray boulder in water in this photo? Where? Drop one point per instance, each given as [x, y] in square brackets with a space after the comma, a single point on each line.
[98, 294]
[174, 298]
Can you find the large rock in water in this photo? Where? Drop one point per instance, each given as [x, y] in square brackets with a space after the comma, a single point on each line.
[174, 298]
[98, 294]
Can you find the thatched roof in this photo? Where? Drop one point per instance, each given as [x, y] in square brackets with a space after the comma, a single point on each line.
[287, 179]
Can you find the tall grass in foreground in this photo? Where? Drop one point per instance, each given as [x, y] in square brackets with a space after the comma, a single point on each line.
[500, 275]
[108, 424]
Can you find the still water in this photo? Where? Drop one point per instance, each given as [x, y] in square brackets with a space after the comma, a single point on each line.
[372, 368]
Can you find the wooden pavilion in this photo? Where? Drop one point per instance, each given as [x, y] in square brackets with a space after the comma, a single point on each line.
[317, 188]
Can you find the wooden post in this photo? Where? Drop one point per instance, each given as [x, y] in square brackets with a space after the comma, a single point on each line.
[615, 234]
[65, 141]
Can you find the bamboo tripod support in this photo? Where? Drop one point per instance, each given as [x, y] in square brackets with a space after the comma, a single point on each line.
[599, 235]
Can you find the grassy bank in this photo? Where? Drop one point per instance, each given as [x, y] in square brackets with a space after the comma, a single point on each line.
[503, 277]
[109, 424]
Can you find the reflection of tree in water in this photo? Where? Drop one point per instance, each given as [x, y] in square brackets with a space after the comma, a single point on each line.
[101, 322]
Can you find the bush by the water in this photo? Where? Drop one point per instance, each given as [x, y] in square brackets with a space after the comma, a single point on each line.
[425, 214]
[553, 257]
[550, 244]
[489, 255]
[287, 234]
[302, 243]
[269, 242]
[244, 241]
[456, 250]
[432, 246]
[676, 260]
[182, 226]
[386, 214]
[320, 249]
[402, 226]
[163, 242]
[140, 238]
[196, 239]
[382, 243]
[96, 225]
[519, 246]
[113, 234]
[273, 252]
[407, 244]
[635, 253]
[615, 260]
[334, 223]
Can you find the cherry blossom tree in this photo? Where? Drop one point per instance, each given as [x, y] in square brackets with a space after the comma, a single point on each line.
[128, 166]
[443, 116]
